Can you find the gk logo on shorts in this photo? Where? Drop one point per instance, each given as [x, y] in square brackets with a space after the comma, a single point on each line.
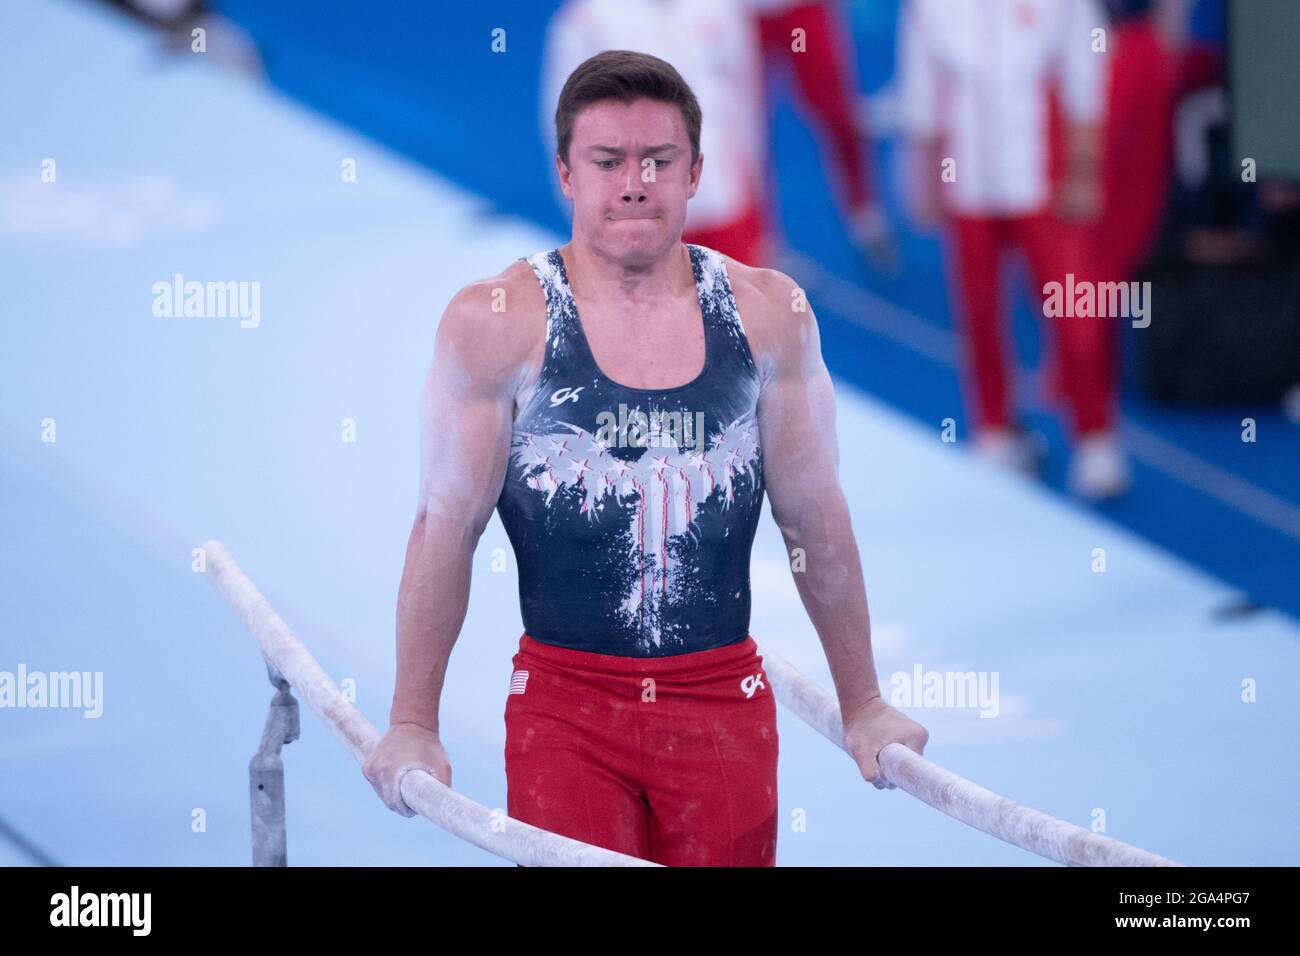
[751, 684]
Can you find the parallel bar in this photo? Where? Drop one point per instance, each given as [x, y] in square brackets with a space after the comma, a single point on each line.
[959, 798]
[423, 793]
[962, 800]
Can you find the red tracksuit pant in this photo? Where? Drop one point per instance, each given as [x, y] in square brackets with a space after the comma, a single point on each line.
[827, 79]
[747, 238]
[671, 759]
[1082, 374]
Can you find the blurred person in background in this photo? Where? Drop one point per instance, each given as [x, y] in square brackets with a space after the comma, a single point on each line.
[978, 86]
[1152, 64]
[821, 58]
[721, 48]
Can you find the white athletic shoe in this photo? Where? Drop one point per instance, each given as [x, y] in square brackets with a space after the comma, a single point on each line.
[1011, 448]
[1099, 469]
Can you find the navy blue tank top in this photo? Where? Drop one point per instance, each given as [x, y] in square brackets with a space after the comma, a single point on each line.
[632, 511]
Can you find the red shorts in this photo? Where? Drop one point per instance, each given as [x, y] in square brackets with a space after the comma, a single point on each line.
[671, 759]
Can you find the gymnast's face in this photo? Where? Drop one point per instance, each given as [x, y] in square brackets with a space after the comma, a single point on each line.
[630, 175]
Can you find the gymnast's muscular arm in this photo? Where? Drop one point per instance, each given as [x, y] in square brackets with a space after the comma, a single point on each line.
[796, 417]
[466, 413]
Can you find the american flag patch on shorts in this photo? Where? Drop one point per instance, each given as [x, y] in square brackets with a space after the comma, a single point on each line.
[518, 680]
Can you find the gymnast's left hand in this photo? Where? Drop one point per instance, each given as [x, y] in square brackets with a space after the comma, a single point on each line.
[871, 727]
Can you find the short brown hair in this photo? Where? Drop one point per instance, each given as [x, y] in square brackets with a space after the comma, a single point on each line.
[624, 76]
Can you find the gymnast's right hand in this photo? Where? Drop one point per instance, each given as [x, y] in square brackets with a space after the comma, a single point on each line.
[405, 747]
